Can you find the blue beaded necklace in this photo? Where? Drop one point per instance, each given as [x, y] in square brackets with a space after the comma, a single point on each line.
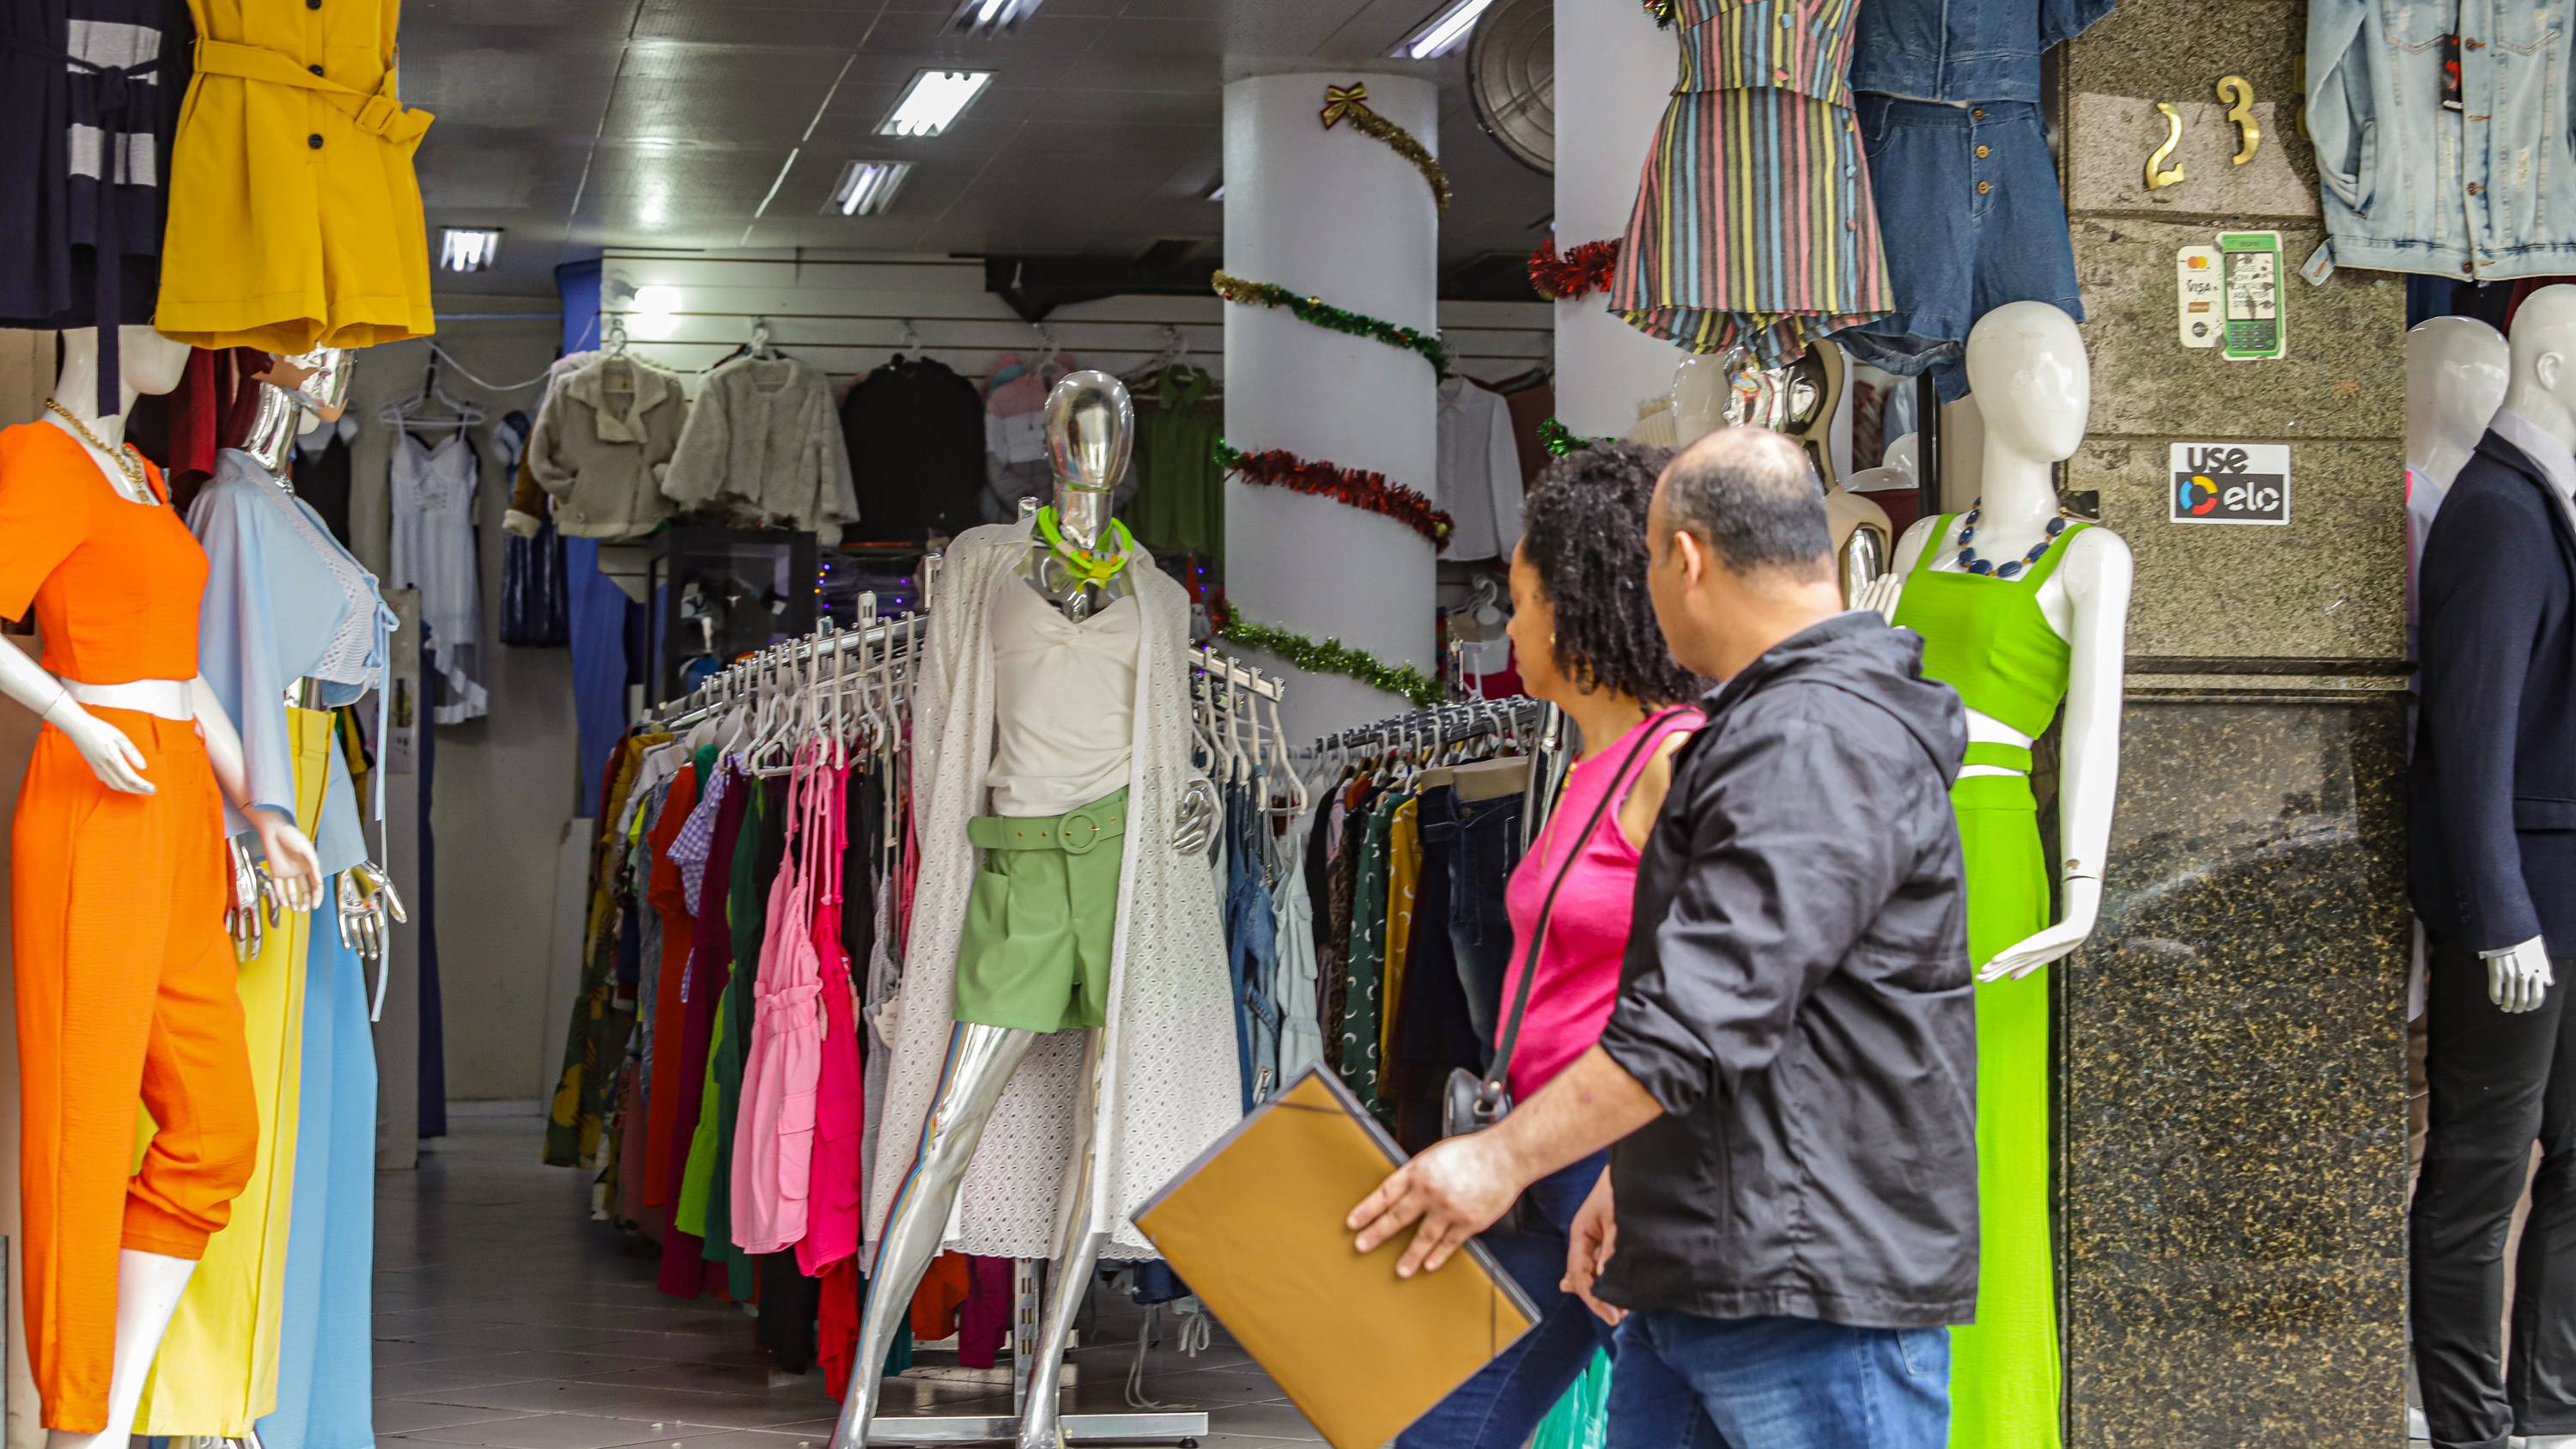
[1969, 561]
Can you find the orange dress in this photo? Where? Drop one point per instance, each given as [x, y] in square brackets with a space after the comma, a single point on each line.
[124, 974]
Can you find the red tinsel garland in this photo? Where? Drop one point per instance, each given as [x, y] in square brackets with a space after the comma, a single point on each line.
[1583, 270]
[1355, 487]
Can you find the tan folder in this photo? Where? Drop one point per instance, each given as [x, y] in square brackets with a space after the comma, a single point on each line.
[1255, 1225]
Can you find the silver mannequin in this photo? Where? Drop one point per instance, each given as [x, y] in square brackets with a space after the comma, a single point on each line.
[1090, 434]
[365, 901]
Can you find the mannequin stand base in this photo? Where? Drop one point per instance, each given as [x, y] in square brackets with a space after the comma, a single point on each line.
[1182, 1427]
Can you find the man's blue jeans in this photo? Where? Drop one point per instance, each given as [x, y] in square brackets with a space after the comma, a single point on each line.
[1685, 1382]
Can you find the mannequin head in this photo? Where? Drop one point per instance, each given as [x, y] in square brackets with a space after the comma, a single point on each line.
[2543, 389]
[1703, 387]
[2457, 369]
[2033, 386]
[147, 364]
[1091, 430]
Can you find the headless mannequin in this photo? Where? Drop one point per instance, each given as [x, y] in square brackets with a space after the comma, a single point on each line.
[2027, 367]
[1799, 400]
[1090, 432]
[148, 1285]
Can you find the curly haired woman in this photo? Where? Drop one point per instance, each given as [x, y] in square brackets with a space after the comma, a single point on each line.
[1585, 639]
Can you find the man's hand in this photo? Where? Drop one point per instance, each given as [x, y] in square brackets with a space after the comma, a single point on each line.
[1589, 1244]
[1455, 1190]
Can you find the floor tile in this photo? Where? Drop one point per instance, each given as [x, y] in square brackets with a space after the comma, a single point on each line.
[544, 1431]
[410, 1416]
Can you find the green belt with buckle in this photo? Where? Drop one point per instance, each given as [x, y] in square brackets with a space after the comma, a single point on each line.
[1076, 832]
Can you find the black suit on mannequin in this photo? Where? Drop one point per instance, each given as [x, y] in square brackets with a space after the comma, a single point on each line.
[2493, 855]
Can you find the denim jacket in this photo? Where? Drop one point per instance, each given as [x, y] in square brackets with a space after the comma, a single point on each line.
[1962, 51]
[2411, 187]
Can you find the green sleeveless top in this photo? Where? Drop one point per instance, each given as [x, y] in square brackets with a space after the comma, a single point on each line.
[1986, 637]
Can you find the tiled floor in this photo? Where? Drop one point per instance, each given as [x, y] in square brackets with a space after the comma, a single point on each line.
[506, 1319]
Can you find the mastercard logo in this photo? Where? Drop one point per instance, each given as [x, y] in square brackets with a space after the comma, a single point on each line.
[2197, 494]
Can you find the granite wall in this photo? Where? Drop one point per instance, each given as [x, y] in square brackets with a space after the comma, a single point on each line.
[2232, 1069]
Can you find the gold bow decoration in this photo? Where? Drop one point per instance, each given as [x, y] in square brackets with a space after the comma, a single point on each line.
[1350, 103]
[1340, 101]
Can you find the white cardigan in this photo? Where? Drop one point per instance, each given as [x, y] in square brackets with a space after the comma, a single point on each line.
[1168, 1078]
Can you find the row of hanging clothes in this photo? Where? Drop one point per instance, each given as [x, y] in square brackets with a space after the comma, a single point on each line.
[751, 896]
[1412, 828]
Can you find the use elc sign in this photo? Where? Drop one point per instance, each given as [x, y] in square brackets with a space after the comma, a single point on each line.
[2231, 483]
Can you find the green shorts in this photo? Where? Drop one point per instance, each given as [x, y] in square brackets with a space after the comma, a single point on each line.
[1042, 918]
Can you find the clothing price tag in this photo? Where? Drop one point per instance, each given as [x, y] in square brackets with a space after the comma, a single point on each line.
[2451, 71]
[2197, 315]
[2253, 295]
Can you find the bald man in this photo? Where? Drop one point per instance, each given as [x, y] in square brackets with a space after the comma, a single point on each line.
[1788, 1227]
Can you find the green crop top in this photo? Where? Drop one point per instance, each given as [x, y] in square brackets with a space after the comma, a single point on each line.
[1986, 637]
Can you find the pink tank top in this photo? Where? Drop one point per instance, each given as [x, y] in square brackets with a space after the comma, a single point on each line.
[1587, 934]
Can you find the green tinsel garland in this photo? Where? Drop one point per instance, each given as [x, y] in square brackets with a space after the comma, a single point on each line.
[1329, 656]
[1662, 10]
[1560, 440]
[1323, 314]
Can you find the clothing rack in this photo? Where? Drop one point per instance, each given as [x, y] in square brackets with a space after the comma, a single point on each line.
[1536, 721]
[1219, 665]
[897, 634]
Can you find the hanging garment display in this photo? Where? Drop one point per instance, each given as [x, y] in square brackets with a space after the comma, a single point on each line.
[135, 886]
[1015, 465]
[914, 432]
[603, 445]
[1180, 486]
[89, 97]
[1966, 185]
[217, 1371]
[1480, 472]
[321, 474]
[326, 1372]
[2408, 184]
[255, 255]
[761, 444]
[1987, 638]
[1754, 225]
[433, 551]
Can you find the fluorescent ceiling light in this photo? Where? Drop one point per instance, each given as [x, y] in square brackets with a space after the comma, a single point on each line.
[867, 188]
[468, 248]
[989, 18]
[1444, 32]
[933, 101]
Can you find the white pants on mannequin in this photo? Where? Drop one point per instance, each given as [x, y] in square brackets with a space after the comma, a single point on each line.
[148, 1286]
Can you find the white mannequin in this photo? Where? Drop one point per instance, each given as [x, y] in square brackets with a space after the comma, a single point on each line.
[2457, 370]
[148, 1285]
[2543, 393]
[2027, 369]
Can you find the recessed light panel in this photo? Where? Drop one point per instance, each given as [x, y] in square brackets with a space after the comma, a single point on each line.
[1446, 30]
[468, 248]
[933, 102]
[867, 188]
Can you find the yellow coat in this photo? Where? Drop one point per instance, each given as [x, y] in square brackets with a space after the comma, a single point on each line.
[295, 217]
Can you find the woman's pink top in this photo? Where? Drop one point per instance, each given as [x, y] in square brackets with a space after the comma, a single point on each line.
[1587, 934]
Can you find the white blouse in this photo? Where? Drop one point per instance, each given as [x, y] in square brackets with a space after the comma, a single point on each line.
[1064, 702]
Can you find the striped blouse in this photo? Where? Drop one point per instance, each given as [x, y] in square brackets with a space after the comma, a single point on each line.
[1754, 225]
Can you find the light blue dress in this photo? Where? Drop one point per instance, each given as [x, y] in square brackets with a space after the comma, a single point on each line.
[273, 608]
[325, 1373]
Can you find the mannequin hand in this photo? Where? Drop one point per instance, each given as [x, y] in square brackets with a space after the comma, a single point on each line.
[251, 891]
[1195, 827]
[2083, 908]
[293, 866]
[116, 760]
[370, 908]
[2519, 981]
[1880, 594]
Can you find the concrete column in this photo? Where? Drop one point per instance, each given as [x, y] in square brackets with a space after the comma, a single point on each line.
[1614, 73]
[2232, 1058]
[1337, 216]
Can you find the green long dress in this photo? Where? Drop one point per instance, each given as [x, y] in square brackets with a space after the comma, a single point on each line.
[1987, 638]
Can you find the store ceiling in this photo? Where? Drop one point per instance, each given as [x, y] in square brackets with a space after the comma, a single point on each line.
[708, 124]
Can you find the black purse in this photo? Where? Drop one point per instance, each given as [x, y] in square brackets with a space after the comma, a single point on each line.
[1472, 1103]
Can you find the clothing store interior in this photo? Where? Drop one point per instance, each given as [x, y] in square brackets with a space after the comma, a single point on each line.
[668, 532]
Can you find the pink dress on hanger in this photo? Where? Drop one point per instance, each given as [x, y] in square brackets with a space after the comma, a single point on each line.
[773, 1148]
[833, 1200]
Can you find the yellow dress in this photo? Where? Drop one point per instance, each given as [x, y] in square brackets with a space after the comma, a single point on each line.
[217, 1369]
[1403, 872]
[294, 214]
